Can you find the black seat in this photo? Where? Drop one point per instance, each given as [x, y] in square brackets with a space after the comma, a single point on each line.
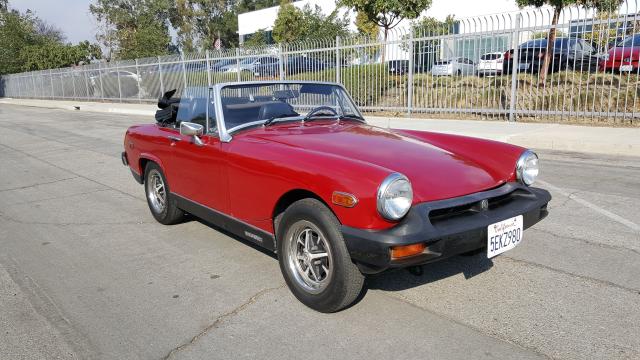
[275, 109]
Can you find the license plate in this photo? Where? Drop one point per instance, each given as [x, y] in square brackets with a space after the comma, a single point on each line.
[523, 66]
[626, 67]
[503, 236]
[256, 74]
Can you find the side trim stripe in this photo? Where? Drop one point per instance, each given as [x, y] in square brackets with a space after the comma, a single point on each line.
[229, 223]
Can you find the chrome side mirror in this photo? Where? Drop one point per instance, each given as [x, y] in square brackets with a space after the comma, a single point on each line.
[192, 129]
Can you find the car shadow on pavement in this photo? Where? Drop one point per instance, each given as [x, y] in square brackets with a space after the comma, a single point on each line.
[401, 279]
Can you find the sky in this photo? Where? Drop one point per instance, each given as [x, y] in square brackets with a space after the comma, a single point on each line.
[71, 16]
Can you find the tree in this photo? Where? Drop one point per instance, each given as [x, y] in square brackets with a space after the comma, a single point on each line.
[388, 13]
[55, 55]
[293, 24]
[16, 31]
[134, 28]
[365, 26]
[558, 6]
[257, 39]
[29, 43]
[253, 5]
[182, 17]
[216, 19]
[287, 27]
[426, 52]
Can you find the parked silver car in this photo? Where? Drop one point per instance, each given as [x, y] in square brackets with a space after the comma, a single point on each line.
[249, 64]
[458, 66]
[490, 64]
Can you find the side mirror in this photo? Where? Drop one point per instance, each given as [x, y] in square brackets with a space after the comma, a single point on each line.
[192, 129]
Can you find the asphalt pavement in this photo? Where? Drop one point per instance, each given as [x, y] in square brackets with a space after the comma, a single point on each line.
[87, 273]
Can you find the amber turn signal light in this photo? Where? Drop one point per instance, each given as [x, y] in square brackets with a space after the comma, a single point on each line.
[407, 250]
[344, 199]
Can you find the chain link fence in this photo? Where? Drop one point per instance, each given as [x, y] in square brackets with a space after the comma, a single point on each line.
[485, 67]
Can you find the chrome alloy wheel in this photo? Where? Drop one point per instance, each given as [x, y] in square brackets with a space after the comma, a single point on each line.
[156, 191]
[308, 256]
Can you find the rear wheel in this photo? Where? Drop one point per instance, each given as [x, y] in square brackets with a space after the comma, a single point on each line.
[163, 206]
[314, 259]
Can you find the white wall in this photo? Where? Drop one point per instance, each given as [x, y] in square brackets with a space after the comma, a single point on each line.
[251, 22]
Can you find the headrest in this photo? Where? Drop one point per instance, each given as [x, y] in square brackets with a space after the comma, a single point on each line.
[275, 109]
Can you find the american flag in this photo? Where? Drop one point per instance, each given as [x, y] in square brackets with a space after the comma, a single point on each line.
[217, 44]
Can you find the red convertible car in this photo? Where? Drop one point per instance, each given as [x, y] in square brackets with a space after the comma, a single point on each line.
[294, 167]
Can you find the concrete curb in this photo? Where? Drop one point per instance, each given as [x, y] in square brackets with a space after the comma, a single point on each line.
[600, 140]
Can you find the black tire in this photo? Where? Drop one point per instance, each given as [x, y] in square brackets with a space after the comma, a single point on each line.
[344, 282]
[170, 213]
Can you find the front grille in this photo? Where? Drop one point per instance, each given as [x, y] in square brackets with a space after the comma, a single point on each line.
[443, 214]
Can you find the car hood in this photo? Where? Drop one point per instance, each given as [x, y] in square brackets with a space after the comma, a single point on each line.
[435, 173]
[621, 53]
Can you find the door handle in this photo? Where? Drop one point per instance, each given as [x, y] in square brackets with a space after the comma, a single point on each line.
[174, 138]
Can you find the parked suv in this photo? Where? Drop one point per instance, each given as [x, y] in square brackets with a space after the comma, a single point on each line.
[457, 66]
[490, 64]
[567, 53]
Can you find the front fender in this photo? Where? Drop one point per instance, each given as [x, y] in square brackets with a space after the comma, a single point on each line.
[260, 176]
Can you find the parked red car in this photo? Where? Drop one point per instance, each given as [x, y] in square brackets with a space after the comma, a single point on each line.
[624, 57]
[294, 168]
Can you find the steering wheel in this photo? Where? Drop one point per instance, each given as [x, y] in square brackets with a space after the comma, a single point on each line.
[320, 109]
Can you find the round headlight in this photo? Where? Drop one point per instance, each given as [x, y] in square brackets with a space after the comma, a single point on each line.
[527, 167]
[394, 197]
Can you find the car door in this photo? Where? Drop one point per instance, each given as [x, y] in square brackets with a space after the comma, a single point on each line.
[200, 174]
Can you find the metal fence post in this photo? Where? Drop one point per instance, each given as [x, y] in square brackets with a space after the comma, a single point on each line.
[238, 63]
[514, 69]
[160, 75]
[338, 62]
[208, 63]
[33, 83]
[51, 82]
[280, 61]
[184, 70]
[62, 85]
[119, 85]
[100, 78]
[410, 75]
[138, 81]
[73, 83]
[86, 83]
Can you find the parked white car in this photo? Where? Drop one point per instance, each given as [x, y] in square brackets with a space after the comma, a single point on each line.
[459, 66]
[490, 64]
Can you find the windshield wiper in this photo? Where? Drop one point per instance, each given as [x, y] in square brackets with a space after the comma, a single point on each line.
[321, 115]
[274, 118]
[351, 117]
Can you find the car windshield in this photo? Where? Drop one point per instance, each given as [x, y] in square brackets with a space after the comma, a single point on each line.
[540, 43]
[248, 61]
[490, 56]
[630, 41]
[442, 62]
[253, 104]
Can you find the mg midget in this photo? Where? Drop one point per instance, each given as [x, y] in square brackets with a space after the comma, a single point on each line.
[293, 167]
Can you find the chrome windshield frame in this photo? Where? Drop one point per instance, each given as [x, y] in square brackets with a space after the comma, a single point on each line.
[225, 134]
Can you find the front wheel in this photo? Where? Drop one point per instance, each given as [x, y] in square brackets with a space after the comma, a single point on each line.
[314, 259]
[163, 206]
